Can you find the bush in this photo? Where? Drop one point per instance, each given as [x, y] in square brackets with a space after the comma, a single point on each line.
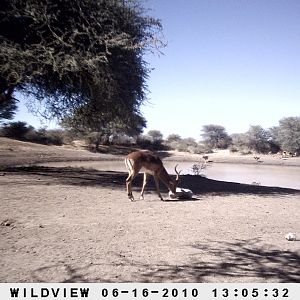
[123, 140]
[233, 149]
[93, 140]
[46, 137]
[288, 134]
[16, 130]
[24, 132]
[53, 137]
[215, 136]
[189, 145]
[198, 168]
[147, 142]
[256, 139]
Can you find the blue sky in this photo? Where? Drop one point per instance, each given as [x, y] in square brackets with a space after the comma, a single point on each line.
[230, 63]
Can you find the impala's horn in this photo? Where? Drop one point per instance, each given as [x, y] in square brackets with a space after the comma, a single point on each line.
[177, 173]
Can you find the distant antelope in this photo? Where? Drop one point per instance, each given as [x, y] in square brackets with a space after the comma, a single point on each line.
[205, 157]
[151, 164]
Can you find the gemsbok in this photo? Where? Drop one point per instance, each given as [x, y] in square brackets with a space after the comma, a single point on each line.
[149, 163]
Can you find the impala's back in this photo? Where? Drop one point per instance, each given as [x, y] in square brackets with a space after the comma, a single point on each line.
[143, 159]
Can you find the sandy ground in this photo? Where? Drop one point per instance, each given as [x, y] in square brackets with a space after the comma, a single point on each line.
[62, 224]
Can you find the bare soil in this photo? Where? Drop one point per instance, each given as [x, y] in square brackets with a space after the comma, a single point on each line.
[63, 224]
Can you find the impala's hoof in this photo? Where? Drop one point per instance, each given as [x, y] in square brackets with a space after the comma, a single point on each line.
[141, 198]
[130, 198]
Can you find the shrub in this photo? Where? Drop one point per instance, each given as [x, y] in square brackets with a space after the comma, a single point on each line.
[24, 132]
[197, 168]
[215, 136]
[16, 130]
[147, 142]
[288, 134]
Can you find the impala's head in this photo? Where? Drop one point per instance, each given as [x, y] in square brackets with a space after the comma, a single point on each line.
[173, 184]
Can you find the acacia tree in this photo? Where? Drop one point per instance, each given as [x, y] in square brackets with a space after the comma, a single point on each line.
[8, 105]
[287, 134]
[215, 136]
[173, 137]
[155, 136]
[84, 55]
[101, 127]
[258, 139]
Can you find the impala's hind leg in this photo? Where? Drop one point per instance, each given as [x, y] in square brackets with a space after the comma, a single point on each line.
[133, 169]
[129, 186]
[131, 175]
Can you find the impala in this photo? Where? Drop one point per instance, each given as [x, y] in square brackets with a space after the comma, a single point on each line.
[151, 164]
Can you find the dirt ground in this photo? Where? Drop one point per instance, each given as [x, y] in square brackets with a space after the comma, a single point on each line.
[63, 224]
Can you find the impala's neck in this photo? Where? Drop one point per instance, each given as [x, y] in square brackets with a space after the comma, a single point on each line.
[167, 180]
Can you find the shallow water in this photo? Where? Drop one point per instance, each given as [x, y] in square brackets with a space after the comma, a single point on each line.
[266, 175]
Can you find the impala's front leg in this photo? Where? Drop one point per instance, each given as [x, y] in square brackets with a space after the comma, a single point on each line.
[157, 187]
[144, 184]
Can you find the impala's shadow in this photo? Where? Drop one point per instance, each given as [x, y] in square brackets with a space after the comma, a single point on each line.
[90, 177]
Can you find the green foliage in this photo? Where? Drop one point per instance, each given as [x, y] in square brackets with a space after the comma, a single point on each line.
[103, 127]
[184, 145]
[8, 104]
[257, 139]
[155, 136]
[173, 138]
[49, 137]
[198, 168]
[24, 132]
[274, 143]
[16, 130]
[215, 136]
[288, 134]
[175, 142]
[80, 56]
[94, 139]
[285, 137]
[239, 142]
[153, 140]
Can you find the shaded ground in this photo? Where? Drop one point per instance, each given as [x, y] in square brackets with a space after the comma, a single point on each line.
[77, 225]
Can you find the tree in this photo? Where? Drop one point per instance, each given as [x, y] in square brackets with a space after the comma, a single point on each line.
[85, 55]
[173, 138]
[155, 136]
[273, 139]
[16, 130]
[257, 139]
[238, 141]
[8, 105]
[288, 134]
[215, 136]
[153, 140]
[101, 128]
